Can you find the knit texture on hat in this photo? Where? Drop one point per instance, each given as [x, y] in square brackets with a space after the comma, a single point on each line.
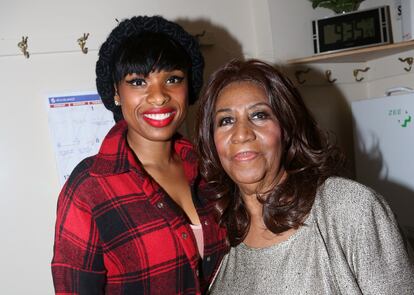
[135, 26]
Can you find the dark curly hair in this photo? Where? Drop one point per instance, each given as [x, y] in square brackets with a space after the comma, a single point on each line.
[145, 44]
[308, 157]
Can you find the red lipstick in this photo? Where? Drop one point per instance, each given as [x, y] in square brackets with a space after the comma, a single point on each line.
[159, 117]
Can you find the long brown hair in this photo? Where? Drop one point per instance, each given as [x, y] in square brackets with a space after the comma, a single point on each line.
[308, 157]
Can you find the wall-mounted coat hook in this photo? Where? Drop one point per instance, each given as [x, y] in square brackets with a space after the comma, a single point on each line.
[199, 35]
[205, 38]
[82, 42]
[328, 74]
[299, 73]
[357, 71]
[23, 46]
[409, 61]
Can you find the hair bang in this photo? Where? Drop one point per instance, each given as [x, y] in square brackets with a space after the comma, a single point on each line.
[150, 55]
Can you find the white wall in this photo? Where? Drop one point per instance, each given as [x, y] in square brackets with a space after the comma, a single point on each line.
[28, 175]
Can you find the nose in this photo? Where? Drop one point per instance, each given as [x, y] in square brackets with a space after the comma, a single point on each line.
[157, 96]
[242, 132]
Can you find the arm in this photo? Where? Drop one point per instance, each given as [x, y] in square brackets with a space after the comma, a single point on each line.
[77, 265]
[381, 257]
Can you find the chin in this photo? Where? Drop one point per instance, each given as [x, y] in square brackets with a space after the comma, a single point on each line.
[247, 180]
[162, 137]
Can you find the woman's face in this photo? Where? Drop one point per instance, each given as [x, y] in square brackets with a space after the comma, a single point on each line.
[247, 136]
[153, 106]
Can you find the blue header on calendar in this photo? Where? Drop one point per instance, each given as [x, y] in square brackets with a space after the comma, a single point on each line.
[74, 99]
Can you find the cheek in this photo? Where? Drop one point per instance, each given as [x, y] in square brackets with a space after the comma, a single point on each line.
[221, 148]
[218, 143]
[130, 100]
[130, 107]
[273, 139]
[181, 95]
[273, 146]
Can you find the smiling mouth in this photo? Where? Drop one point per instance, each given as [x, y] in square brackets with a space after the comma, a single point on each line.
[245, 156]
[158, 117]
[159, 120]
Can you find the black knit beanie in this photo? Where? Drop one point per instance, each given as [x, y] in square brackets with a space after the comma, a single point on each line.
[135, 26]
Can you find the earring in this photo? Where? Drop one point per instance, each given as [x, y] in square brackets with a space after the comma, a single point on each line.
[117, 103]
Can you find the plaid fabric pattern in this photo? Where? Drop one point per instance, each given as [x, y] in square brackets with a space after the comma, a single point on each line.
[118, 232]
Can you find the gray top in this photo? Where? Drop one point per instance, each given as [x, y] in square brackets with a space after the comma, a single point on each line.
[350, 244]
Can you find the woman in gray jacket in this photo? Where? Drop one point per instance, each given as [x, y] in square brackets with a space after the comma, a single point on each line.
[295, 227]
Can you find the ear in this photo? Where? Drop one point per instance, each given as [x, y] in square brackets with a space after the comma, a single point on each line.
[117, 99]
[116, 95]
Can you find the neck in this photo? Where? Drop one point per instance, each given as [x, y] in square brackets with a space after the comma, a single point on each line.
[250, 192]
[254, 207]
[152, 153]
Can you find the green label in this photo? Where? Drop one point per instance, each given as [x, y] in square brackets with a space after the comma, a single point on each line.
[403, 118]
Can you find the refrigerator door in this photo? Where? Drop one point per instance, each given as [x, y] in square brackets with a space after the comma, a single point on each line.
[384, 150]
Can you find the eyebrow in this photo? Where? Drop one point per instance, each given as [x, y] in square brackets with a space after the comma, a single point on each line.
[227, 110]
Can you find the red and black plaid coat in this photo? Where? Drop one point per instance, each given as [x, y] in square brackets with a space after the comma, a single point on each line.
[118, 232]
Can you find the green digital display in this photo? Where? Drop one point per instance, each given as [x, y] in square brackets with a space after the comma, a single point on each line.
[357, 29]
[349, 31]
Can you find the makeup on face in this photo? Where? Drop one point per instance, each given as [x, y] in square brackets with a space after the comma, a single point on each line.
[154, 105]
[247, 135]
[159, 117]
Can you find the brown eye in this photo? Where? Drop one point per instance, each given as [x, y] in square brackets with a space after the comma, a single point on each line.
[175, 79]
[259, 116]
[225, 121]
[136, 82]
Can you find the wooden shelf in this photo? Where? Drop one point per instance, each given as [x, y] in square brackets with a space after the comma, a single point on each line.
[356, 55]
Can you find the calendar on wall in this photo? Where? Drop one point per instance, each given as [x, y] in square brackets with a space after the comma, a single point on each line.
[78, 124]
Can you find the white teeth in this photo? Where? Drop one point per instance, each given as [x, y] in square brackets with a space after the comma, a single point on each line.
[158, 116]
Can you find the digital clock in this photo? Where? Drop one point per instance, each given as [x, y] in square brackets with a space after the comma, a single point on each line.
[355, 29]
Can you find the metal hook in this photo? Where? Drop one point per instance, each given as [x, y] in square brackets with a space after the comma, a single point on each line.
[357, 71]
[408, 60]
[23, 46]
[328, 74]
[198, 36]
[299, 73]
[82, 42]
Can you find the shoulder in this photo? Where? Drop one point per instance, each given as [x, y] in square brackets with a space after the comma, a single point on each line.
[350, 216]
[80, 172]
[79, 181]
[348, 199]
[347, 194]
